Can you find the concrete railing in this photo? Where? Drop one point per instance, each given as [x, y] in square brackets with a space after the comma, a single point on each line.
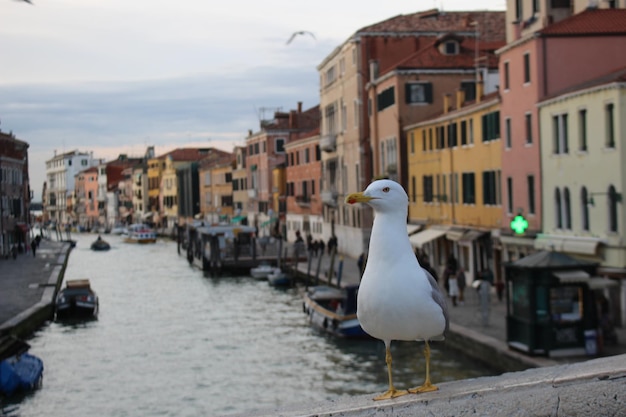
[592, 388]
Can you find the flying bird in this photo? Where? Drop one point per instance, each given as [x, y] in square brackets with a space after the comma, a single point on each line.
[397, 299]
[301, 32]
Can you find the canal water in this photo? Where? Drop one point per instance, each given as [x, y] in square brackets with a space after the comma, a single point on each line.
[172, 342]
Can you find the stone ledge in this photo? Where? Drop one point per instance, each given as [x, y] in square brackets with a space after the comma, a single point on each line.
[591, 388]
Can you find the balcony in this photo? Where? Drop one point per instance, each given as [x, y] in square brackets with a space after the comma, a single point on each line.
[329, 198]
[252, 193]
[303, 200]
[328, 143]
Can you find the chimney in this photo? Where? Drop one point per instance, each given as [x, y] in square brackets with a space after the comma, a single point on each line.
[460, 98]
[373, 70]
[249, 132]
[299, 107]
[480, 90]
[446, 103]
[293, 118]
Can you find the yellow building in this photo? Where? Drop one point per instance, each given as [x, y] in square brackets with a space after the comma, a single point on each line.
[454, 182]
[216, 188]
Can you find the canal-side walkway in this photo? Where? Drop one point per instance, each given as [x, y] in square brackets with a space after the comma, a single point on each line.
[27, 287]
[467, 331]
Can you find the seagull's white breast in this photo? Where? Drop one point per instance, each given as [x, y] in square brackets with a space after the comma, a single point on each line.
[395, 303]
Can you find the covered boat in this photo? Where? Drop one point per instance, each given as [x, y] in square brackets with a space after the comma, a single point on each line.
[100, 244]
[280, 278]
[140, 233]
[333, 310]
[262, 271]
[19, 370]
[77, 300]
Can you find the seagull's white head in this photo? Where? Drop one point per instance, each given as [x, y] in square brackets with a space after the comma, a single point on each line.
[384, 196]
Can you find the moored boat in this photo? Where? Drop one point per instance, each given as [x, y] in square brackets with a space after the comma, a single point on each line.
[262, 271]
[77, 300]
[100, 244]
[140, 233]
[21, 372]
[280, 278]
[334, 310]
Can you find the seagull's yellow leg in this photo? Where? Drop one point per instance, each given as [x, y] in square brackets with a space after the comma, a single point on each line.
[426, 386]
[391, 392]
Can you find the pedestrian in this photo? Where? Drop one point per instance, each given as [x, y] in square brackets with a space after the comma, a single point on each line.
[33, 246]
[453, 288]
[322, 246]
[461, 283]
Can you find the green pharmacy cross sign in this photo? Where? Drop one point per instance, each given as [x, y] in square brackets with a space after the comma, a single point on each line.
[519, 224]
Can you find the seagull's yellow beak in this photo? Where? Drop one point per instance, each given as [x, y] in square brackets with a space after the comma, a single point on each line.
[358, 198]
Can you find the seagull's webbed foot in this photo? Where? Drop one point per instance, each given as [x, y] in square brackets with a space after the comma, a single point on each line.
[426, 387]
[391, 393]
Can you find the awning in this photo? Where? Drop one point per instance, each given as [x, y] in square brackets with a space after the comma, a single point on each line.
[455, 234]
[147, 215]
[412, 228]
[237, 219]
[425, 236]
[472, 235]
[568, 244]
[517, 241]
[23, 227]
[268, 222]
[600, 283]
[572, 277]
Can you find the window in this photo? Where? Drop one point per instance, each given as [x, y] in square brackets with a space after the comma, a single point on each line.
[559, 134]
[307, 156]
[470, 129]
[423, 141]
[610, 126]
[558, 214]
[613, 199]
[531, 194]
[463, 132]
[490, 188]
[413, 188]
[535, 6]
[280, 145]
[386, 99]
[427, 183]
[451, 47]
[356, 108]
[329, 117]
[584, 208]
[506, 75]
[452, 140]
[529, 128]
[567, 209]
[469, 188]
[419, 93]
[526, 68]
[582, 130]
[491, 126]
[509, 195]
[507, 128]
[344, 116]
[518, 10]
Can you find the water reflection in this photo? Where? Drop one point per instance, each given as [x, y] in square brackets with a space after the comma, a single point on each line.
[171, 342]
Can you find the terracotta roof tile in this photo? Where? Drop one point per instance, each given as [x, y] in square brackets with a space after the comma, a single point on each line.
[429, 57]
[590, 22]
[190, 154]
[491, 24]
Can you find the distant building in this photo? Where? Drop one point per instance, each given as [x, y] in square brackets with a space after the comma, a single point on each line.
[15, 194]
[60, 175]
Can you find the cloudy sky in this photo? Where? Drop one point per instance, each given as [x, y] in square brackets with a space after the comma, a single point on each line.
[115, 76]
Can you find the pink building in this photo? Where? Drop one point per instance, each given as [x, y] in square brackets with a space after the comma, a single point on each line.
[581, 47]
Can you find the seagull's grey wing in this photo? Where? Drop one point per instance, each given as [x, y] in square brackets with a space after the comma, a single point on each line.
[293, 35]
[312, 34]
[439, 299]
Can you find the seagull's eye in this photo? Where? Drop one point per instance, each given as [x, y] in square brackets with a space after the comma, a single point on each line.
[386, 190]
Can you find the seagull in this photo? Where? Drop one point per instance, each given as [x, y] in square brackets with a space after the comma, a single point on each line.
[301, 32]
[397, 299]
